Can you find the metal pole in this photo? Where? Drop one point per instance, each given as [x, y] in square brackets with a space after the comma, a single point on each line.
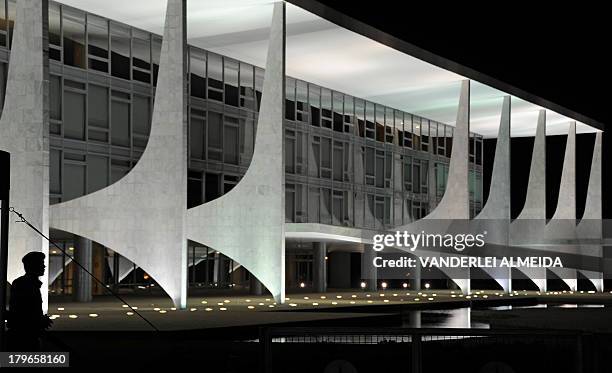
[5, 167]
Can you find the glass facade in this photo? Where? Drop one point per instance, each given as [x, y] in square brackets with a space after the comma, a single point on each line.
[349, 162]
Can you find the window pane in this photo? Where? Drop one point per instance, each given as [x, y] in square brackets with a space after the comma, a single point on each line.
[301, 102]
[326, 108]
[142, 115]
[141, 56]
[74, 37]
[197, 73]
[247, 140]
[196, 137]
[259, 77]
[120, 125]
[55, 97]
[314, 100]
[290, 152]
[230, 145]
[194, 190]
[326, 153]
[290, 98]
[54, 24]
[380, 168]
[120, 51]
[141, 50]
[247, 92]
[338, 155]
[97, 173]
[215, 129]
[315, 156]
[97, 33]
[289, 203]
[369, 162]
[98, 106]
[74, 181]
[326, 206]
[380, 123]
[231, 82]
[313, 205]
[155, 53]
[74, 116]
[55, 181]
[215, 77]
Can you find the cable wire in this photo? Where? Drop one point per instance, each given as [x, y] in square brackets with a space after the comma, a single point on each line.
[24, 220]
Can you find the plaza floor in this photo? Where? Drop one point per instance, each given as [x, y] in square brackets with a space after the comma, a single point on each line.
[106, 313]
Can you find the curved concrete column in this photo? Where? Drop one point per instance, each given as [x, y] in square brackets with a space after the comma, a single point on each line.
[497, 206]
[248, 223]
[24, 132]
[563, 223]
[494, 218]
[590, 226]
[535, 201]
[142, 216]
[532, 219]
[566, 205]
[455, 203]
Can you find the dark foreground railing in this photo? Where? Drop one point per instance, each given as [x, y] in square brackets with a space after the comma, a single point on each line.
[347, 350]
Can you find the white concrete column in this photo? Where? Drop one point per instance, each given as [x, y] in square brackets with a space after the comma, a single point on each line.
[24, 132]
[455, 203]
[142, 216]
[248, 223]
[319, 267]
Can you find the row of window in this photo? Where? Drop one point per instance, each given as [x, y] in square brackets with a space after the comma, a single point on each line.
[90, 112]
[314, 204]
[108, 115]
[73, 173]
[87, 41]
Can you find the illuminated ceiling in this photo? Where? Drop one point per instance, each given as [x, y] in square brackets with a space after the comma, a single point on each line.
[321, 52]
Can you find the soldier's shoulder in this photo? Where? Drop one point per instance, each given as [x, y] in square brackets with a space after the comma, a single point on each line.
[21, 282]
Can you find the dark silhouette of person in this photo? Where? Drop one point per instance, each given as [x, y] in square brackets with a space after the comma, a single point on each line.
[26, 320]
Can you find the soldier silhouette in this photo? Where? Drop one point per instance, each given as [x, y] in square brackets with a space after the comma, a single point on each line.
[26, 320]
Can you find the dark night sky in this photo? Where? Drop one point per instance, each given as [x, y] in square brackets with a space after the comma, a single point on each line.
[556, 53]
